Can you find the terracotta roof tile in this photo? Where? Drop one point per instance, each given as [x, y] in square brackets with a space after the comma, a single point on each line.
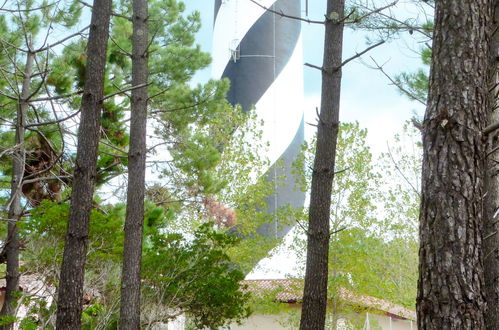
[290, 291]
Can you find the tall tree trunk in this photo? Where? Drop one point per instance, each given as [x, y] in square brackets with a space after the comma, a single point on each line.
[70, 299]
[315, 291]
[451, 280]
[15, 209]
[491, 223]
[132, 253]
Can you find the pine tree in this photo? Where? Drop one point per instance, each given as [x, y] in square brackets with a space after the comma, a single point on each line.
[491, 223]
[316, 276]
[70, 296]
[450, 288]
[29, 171]
[132, 253]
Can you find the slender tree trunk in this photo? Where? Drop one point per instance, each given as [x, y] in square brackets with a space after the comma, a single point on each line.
[132, 253]
[315, 291]
[70, 297]
[15, 209]
[491, 223]
[451, 280]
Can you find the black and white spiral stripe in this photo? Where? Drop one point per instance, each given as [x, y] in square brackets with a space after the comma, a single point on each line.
[261, 54]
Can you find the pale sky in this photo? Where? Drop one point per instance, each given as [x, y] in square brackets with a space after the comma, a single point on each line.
[366, 95]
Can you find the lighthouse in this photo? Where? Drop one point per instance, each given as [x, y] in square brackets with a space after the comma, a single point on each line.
[261, 53]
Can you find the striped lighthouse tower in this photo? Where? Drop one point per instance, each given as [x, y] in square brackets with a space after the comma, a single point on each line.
[261, 53]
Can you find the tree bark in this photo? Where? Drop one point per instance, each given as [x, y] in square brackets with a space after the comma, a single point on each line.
[316, 275]
[132, 253]
[15, 209]
[491, 223]
[70, 299]
[451, 280]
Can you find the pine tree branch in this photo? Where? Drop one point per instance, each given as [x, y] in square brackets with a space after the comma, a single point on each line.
[8, 121]
[47, 178]
[305, 230]
[62, 40]
[396, 84]
[159, 93]
[55, 98]
[9, 96]
[124, 52]
[401, 173]
[315, 67]
[190, 106]
[43, 76]
[19, 10]
[13, 87]
[112, 14]
[124, 91]
[404, 24]
[359, 54]
[54, 121]
[372, 12]
[12, 46]
[337, 231]
[287, 16]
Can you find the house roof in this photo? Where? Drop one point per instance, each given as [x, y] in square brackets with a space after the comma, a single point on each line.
[291, 291]
[283, 290]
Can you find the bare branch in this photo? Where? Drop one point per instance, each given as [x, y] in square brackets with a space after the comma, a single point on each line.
[8, 121]
[62, 40]
[124, 52]
[490, 235]
[404, 24]
[159, 93]
[400, 171]
[19, 10]
[360, 54]
[287, 16]
[491, 128]
[47, 178]
[298, 222]
[124, 91]
[113, 13]
[9, 96]
[417, 124]
[396, 84]
[54, 98]
[315, 67]
[372, 12]
[337, 231]
[193, 105]
[344, 19]
[12, 46]
[54, 121]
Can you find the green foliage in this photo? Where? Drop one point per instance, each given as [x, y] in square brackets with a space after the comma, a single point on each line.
[201, 271]
[401, 177]
[194, 274]
[6, 320]
[206, 143]
[416, 84]
[373, 250]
